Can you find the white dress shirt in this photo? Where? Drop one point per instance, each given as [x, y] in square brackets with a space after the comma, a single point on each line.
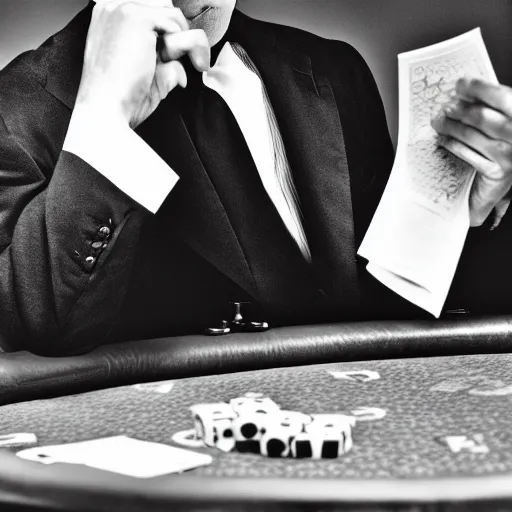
[126, 160]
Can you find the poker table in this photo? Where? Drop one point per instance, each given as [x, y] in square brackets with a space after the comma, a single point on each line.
[435, 381]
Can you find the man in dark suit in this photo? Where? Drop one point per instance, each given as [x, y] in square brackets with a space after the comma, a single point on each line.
[99, 239]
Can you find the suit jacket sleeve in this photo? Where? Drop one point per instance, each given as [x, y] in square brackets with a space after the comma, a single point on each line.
[67, 244]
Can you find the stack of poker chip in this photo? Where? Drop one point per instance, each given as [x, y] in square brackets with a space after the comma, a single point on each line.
[256, 424]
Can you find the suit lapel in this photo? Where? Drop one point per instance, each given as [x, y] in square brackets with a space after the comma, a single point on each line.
[193, 209]
[309, 121]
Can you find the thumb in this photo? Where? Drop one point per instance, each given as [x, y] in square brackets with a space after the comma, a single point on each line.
[481, 202]
[499, 212]
[168, 75]
[486, 194]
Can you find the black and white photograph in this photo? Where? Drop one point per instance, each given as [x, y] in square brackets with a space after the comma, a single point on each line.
[255, 255]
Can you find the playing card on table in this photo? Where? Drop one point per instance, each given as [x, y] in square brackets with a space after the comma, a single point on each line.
[416, 237]
[123, 455]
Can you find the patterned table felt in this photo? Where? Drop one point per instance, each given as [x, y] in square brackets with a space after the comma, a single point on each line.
[424, 399]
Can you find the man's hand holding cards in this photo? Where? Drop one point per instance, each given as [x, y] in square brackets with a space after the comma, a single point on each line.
[417, 235]
[477, 125]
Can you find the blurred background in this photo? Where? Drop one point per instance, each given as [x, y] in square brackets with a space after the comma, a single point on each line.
[379, 29]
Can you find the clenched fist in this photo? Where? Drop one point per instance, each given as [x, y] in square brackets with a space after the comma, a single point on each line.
[130, 61]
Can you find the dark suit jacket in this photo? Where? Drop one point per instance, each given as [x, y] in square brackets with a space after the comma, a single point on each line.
[63, 291]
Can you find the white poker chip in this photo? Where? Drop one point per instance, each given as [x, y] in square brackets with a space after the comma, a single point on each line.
[188, 438]
[254, 395]
[368, 414]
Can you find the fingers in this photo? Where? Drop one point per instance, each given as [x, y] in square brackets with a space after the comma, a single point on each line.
[477, 127]
[168, 75]
[160, 14]
[497, 151]
[110, 5]
[166, 14]
[496, 96]
[176, 38]
[487, 120]
[469, 155]
[161, 3]
[487, 191]
[192, 42]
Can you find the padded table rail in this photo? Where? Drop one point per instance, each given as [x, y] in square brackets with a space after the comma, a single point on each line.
[26, 376]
